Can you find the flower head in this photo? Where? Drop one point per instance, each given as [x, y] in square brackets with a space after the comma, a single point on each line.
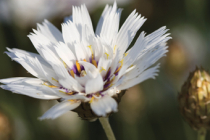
[81, 67]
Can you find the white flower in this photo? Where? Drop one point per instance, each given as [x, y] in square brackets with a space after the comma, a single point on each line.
[78, 66]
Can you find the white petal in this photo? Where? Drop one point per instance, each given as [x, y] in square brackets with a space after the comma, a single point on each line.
[111, 92]
[25, 63]
[132, 55]
[49, 74]
[18, 80]
[107, 49]
[59, 109]
[150, 41]
[81, 18]
[103, 66]
[78, 96]
[94, 85]
[41, 42]
[115, 62]
[90, 68]
[151, 57]
[34, 64]
[145, 52]
[33, 55]
[50, 31]
[37, 38]
[147, 74]
[79, 51]
[104, 105]
[98, 48]
[83, 80]
[109, 23]
[138, 47]
[66, 54]
[156, 34]
[38, 82]
[128, 31]
[64, 77]
[28, 63]
[153, 49]
[70, 33]
[101, 20]
[29, 86]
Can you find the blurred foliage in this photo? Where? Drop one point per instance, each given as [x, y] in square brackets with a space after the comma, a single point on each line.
[148, 111]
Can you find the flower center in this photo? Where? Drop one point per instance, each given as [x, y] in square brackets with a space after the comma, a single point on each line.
[78, 71]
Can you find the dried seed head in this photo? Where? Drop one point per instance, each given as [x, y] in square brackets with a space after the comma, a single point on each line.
[194, 99]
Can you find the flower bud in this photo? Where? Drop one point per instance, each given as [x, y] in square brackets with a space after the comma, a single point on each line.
[194, 99]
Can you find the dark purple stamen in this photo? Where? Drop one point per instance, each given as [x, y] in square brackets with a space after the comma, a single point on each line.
[117, 72]
[106, 85]
[107, 75]
[90, 60]
[74, 68]
[82, 68]
[89, 95]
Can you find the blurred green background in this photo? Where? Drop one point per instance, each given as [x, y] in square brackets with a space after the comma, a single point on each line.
[148, 111]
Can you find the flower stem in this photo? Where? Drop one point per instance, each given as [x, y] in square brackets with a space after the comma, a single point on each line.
[107, 128]
[202, 134]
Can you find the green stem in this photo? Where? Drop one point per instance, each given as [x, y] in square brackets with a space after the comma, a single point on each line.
[202, 134]
[107, 128]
